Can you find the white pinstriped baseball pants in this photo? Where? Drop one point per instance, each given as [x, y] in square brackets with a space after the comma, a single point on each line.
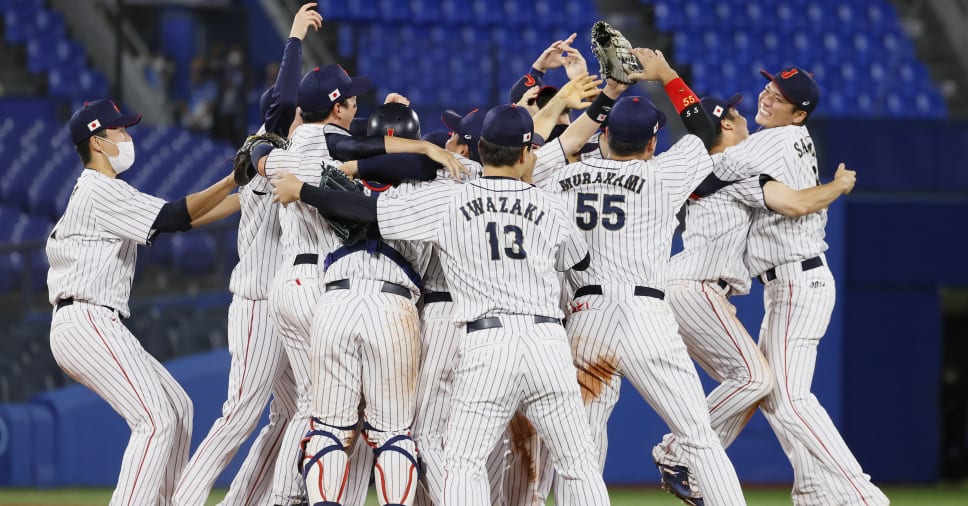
[366, 347]
[259, 368]
[718, 342]
[92, 346]
[293, 301]
[618, 334]
[512, 468]
[798, 308]
[520, 364]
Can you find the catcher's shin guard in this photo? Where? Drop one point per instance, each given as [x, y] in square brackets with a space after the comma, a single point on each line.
[396, 469]
[324, 449]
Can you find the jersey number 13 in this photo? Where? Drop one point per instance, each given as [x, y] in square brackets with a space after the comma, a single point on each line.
[512, 233]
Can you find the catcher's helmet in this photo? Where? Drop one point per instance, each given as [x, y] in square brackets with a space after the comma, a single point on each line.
[395, 120]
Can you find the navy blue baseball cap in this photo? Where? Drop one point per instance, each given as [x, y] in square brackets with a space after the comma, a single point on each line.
[322, 87]
[468, 127]
[96, 116]
[523, 84]
[437, 137]
[717, 107]
[508, 126]
[797, 86]
[634, 119]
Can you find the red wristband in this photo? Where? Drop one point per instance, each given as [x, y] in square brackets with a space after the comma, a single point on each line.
[680, 94]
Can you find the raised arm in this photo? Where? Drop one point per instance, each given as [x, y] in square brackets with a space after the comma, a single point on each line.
[282, 107]
[656, 68]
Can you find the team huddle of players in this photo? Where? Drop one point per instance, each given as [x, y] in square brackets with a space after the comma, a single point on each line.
[468, 350]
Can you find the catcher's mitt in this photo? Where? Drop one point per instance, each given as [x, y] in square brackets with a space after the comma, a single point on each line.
[611, 49]
[242, 167]
[332, 178]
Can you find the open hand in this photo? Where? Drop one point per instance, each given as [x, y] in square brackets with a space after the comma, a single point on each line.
[306, 17]
[286, 188]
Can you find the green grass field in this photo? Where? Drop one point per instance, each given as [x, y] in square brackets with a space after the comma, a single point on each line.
[906, 496]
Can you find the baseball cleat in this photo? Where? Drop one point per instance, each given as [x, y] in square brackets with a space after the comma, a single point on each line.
[675, 480]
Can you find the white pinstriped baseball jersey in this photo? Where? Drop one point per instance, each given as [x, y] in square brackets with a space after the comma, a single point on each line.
[434, 280]
[714, 239]
[551, 157]
[786, 154]
[260, 250]
[638, 198]
[477, 226]
[303, 229]
[93, 247]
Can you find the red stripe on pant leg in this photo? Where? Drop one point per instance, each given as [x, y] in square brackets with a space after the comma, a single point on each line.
[786, 382]
[265, 465]
[151, 419]
[245, 361]
[749, 371]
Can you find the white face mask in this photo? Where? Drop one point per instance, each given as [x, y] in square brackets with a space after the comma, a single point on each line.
[125, 158]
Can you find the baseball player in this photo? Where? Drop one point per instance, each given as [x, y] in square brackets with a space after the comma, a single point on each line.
[327, 99]
[620, 324]
[339, 145]
[490, 234]
[92, 251]
[259, 364]
[706, 273]
[786, 254]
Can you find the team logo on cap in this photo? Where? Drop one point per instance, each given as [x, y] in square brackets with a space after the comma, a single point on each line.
[786, 74]
[526, 137]
[333, 95]
[94, 125]
[718, 111]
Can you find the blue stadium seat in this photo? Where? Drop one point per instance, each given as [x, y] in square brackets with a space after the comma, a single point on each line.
[19, 24]
[194, 253]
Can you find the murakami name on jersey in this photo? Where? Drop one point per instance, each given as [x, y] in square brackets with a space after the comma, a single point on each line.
[481, 205]
[629, 182]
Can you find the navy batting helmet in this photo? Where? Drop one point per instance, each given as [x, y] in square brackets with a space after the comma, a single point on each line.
[395, 120]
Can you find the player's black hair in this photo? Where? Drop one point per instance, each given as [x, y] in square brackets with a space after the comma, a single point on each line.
[499, 156]
[83, 148]
[730, 115]
[619, 148]
[320, 116]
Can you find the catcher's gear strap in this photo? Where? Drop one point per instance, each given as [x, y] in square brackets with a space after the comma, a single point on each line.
[601, 106]
[396, 167]
[345, 147]
[373, 247]
[173, 217]
[585, 262]
[339, 204]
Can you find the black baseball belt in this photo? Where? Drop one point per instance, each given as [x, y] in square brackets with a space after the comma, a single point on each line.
[306, 258]
[431, 297]
[62, 303]
[494, 322]
[387, 287]
[640, 291]
[806, 265]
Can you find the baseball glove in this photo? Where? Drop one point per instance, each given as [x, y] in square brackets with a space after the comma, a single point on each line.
[242, 167]
[332, 178]
[611, 49]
